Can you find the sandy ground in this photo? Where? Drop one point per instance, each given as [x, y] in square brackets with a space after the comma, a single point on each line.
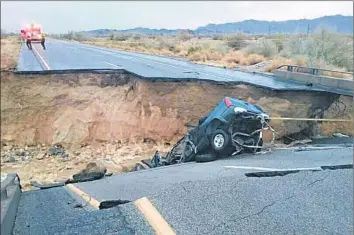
[10, 48]
[34, 163]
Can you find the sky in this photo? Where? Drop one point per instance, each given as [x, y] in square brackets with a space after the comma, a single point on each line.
[63, 16]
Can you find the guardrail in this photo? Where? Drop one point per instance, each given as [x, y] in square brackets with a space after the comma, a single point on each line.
[313, 71]
[10, 197]
[315, 76]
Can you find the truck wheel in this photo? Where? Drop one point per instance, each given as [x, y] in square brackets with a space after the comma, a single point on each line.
[220, 141]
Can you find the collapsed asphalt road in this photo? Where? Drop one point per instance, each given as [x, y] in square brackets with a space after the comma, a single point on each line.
[57, 211]
[208, 198]
[63, 55]
[134, 185]
[303, 203]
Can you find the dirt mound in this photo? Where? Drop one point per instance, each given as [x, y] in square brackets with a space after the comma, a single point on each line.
[88, 109]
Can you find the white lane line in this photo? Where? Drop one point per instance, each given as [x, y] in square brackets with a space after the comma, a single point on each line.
[273, 169]
[41, 58]
[115, 66]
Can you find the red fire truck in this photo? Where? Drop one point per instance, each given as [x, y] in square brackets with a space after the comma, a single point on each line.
[35, 32]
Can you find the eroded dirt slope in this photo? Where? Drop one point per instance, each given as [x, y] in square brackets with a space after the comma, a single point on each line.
[81, 109]
[107, 118]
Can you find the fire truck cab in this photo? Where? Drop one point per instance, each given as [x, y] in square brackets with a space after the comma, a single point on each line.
[34, 31]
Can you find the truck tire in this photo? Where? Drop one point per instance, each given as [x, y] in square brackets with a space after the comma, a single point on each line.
[220, 141]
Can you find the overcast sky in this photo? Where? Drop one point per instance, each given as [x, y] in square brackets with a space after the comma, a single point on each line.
[60, 17]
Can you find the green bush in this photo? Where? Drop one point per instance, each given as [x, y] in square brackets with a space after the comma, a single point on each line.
[322, 48]
[237, 42]
[218, 37]
[264, 47]
[111, 36]
[192, 50]
[121, 37]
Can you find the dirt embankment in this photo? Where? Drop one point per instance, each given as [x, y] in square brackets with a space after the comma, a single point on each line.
[10, 48]
[85, 109]
[107, 118]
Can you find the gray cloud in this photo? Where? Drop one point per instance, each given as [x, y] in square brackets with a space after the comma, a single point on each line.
[63, 16]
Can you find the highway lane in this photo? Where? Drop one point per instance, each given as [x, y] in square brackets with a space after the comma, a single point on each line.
[27, 60]
[62, 55]
[54, 211]
[218, 198]
[303, 203]
[134, 185]
[208, 198]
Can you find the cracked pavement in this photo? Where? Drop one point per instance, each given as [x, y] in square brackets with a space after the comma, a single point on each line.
[211, 198]
[302, 203]
[134, 185]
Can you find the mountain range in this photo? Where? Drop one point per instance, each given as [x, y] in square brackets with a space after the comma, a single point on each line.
[338, 23]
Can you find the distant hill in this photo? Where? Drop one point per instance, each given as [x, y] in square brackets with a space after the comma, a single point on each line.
[338, 23]
[134, 30]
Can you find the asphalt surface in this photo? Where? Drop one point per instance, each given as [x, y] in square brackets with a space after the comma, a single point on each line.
[134, 185]
[303, 203]
[53, 211]
[209, 198]
[62, 55]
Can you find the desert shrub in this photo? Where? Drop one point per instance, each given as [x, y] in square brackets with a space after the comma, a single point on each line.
[72, 35]
[121, 37]
[222, 48]
[253, 59]
[279, 41]
[193, 49]
[234, 57]
[213, 55]
[196, 56]
[136, 37]
[111, 36]
[322, 48]
[241, 58]
[166, 44]
[237, 42]
[218, 37]
[184, 35]
[264, 47]
[276, 62]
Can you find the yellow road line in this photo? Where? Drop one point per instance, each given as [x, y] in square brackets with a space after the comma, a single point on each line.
[90, 200]
[157, 222]
[312, 119]
[41, 58]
